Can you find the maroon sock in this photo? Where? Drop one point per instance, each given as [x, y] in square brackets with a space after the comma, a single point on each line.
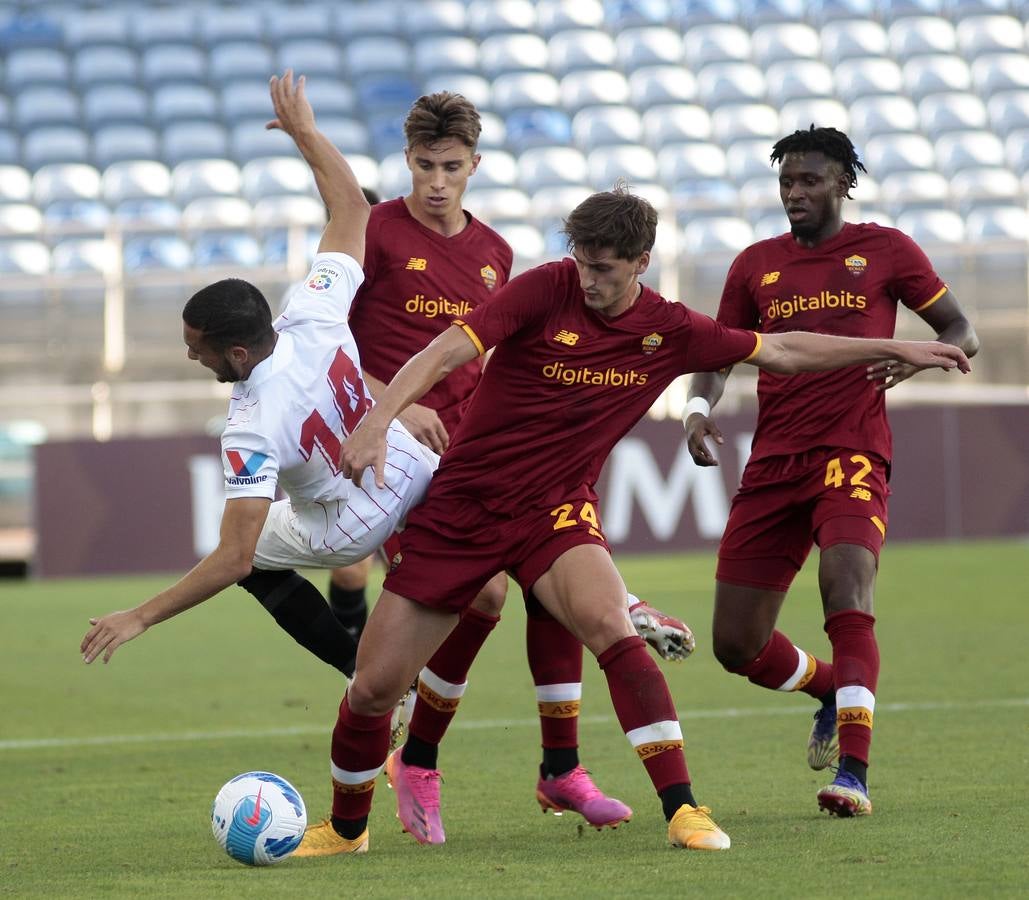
[782, 666]
[645, 710]
[359, 748]
[443, 681]
[555, 660]
[855, 658]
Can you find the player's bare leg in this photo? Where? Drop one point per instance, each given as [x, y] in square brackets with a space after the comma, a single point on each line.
[583, 591]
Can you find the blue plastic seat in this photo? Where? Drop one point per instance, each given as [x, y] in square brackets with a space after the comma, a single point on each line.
[134, 180]
[156, 252]
[451, 53]
[882, 114]
[823, 11]
[539, 127]
[110, 104]
[674, 123]
[387, 93]
[329, 95]
[861, 76]
[385, 133]
[164, 24]
[993, 72]
[798, 79]
[621, 14]
[237, 59]
[15, 183]
[204, 177]
[148, 213]
[436, 18]
[218, 24]
[989, 34]
[543, 167]
[687, 161]
[291, 22]
[501, 17]
[730, 82]
[1008, 111]
[53, 144]
[780, 41]
[217, 213]
[593, 88]
[886, 153]
[474, 88]
[84, 255]
[1016, 153]
[226, 249]
[105, 65]
[958, 150]
[502, 53]
[901, 191]
[596, 126]
[935, 73]
[686, 14]
[976, 187]
[30, 66]
[20, 220]
[494, 132]
[715, 43]
[922, 35]
[988, 224]
[553, 16]
[188, 140]
[725, 235]
[633, 162]
[932, 226]
[891, 10]
[493, 203]
[497, 169]
[940, 113]
[654, 85]
[568, 51]
[241, 100]
[798, 114]
[251, 140]
[654, 45]
[377, 55]
[313, 58]
[65, 181]
[525, 90]
[24, 257]
[741, 121]
[748, 160]
[45, 105]
[276, 177]
[174, 102]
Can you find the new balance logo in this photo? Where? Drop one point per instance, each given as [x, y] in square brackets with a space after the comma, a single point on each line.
[416, 264]
[769, 278]
[570, 338]
[861, 494]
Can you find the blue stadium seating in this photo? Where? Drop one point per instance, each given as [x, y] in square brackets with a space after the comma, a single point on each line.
[226, 249]
[673, 123]
[922, 35]
[501, 17]
[377, 55]
[958, 150]
[475, 88]
[182, 63]
[65, 181]
[204, 177]
[1008, 111]
[798, 80]
[236, 60]
[593, 88]
[779, 41]
[653, 85]
[497, 169]
[913, 190]
[544, 167]
[115, 104]
[493, 203]
[568, 51]
[274, 177]
[502, 53]
[452, 53]
[553, 16]
[730, 82]
[193, 139]
[654, 45]
[984, 186]
[940, 113]
[15, 183]
[156, 252]
[435, 18]
[853, 39]
[595, 126]
[134, 180]
[929, 226]
[740, 121]
[20, 220]
[633, 162]
[45, 105]
[715, 43]
[53, 144]
[105, 65]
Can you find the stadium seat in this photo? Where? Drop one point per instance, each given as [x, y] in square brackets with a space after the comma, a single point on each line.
[862, 76]
[759, 197]
[502, 53]
[5, 111]
[385, 133]
[492, 203]
[435, 18]
[313, 58]
[960, 9]
[544, 167]
[797, 114]
[715, 43]
[494, 132]
[237, 60]
[932, 226]
[349, 135]
[24, 257]
[976, 187]
[525, 90]
[553, 16]
[687, 14]
[275, 177]
[526, 241]
[329, 95]
[291, 22]
[65, 181]
[34, 66]
[366, 170]
[226, 249]
[182, 63]
[450, 53]
[637, 48]
[148, 214]
[740, 121]
[882, 114]
[730, 82]
[968, 149]
[133, 180]
[935, 73]
[825, 11]
[15, 183]
[377, 54]
[364, 19]
[251, 140]
[629, 161]
[501, 17]
[891, 10]
[210, 213]
[655, 85]
[387, 93]
[769, 226]
[852, 39]
[989, 34]
[497, 169]
[20, 220]
[45, 105]
[595, 126]
[940, 113]
[117, 142]
[673, 123]
[887, 153]
[105, 65]
[111, 104]
[1016, 151]
[593, 88]
[394, 175]
[779, 41]
[218, 24]
[246, 100]
[900, 191]
[797, 80]
[78, 217]
[1008, 111]
[749, 160]
[622, 14]
[993, 223]
[183, 102]
[993, 72]
[569, 51]
[726, 235]
[156, 252]
[473, 87]
[867, 192]
[196, 178]
[150, 25]
[921, 35]
[188, 139]
[53, 144]
[84, 255]
[683, 162]
[552, 204]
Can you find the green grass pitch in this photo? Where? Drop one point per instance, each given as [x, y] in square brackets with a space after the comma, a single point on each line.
[107, 773]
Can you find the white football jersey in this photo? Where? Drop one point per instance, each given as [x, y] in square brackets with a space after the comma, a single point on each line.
[287, 421]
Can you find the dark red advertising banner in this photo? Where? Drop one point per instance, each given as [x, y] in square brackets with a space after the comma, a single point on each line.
[155, 505]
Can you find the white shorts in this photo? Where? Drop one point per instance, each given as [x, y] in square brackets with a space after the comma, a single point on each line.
[317, 538]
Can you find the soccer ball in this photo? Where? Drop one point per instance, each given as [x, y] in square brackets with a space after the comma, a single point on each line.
[258, 818]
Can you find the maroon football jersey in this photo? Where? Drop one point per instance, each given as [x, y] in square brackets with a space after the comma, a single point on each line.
[849, 285]
[416, 282]
[565, 383]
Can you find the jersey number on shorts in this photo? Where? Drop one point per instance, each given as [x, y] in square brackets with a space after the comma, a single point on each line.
[834, 472]
[587, 514]
[351, 404]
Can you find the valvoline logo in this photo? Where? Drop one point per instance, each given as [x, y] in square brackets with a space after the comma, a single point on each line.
[244, 463]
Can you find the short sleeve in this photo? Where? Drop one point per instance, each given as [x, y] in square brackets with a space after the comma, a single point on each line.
[326, 294]
[915, 282]
[712, 345]
[251, 470]
[737, 308]
[523, 300]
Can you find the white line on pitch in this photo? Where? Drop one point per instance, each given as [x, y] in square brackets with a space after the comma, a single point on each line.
[481, 724]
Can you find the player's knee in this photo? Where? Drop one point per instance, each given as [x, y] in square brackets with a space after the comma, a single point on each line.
[350, 578]
[490, 599]
[370, 695]
[733, 651]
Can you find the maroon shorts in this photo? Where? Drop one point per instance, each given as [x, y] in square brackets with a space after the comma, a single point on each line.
[451, 547]
[785, 504]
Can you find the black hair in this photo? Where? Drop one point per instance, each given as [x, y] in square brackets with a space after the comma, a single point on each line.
[835, 145]
[230, 313]
[614, 220]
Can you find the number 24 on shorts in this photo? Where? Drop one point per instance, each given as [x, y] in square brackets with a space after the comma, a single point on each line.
[587, 513]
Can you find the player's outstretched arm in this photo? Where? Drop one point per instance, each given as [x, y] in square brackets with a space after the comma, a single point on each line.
[948, 320]
[705, 391]
[802, 351]
[366, 446]
[342, 195]
[228, 563]
[423, 422]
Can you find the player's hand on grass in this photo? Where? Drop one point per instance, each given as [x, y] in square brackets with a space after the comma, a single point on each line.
[698, 428]
[890, 373]
[110, 632]
[425, 427]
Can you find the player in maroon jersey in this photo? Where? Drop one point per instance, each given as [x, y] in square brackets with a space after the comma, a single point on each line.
[582, 350]
[820, 460]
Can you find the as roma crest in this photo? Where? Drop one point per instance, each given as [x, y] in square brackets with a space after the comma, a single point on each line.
[489, 276]
[651, 342]
[856, 265]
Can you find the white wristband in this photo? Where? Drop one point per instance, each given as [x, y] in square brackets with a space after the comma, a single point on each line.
[696, 405]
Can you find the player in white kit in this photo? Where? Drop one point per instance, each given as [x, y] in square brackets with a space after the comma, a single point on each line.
[298, 392]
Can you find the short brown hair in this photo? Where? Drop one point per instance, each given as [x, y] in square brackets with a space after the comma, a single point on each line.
[616, 220]
[436, 117]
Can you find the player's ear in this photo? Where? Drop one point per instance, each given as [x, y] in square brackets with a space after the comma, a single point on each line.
[643, 262]
[475, 163]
